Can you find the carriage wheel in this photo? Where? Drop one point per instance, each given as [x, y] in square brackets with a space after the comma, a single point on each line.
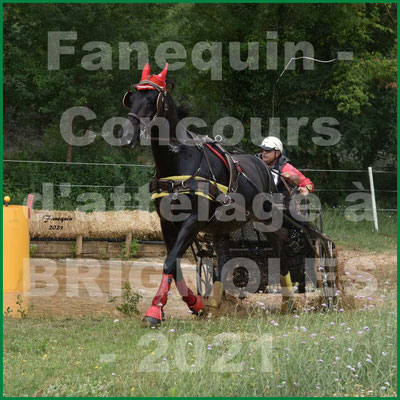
[318, 222]
[205, 275]
[327, 272]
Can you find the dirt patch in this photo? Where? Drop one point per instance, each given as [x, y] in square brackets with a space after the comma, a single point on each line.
[383, 266]
[82, 287]
[368, 278]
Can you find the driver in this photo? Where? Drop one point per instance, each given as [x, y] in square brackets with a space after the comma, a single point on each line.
[272, 149]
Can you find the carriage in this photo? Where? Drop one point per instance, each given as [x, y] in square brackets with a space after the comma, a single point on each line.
[311, 258]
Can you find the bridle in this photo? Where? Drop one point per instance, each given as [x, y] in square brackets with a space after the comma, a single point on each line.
[161, 104]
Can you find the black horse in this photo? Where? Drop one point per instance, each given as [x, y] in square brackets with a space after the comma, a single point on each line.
[187, 162]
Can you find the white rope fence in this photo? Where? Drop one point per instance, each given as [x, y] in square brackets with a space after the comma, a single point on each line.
[152, 166]
[369, 171]
[78, 163]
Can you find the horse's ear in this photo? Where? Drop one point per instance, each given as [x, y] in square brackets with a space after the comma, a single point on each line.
[170, 86]
[163, 74]
[145, 72]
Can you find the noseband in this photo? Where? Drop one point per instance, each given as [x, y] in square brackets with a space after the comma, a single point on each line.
[161, 105]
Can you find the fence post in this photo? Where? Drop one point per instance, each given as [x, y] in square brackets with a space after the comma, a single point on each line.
[79, 246]
[128, 242]
[371, 184]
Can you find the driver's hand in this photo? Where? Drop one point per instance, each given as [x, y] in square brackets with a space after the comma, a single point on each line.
[303, 191]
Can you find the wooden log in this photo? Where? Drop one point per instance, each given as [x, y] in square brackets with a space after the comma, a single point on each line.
[93, 249]
[54, 249]
[152, 250]
[114, 249]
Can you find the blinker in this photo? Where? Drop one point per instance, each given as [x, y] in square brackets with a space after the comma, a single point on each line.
[126, 100]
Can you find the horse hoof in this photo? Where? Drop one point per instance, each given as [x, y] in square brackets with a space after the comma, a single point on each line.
[197, 307]
[151, 322]
[153, 317]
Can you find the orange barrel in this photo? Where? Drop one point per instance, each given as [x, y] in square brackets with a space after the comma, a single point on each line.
[16, 277]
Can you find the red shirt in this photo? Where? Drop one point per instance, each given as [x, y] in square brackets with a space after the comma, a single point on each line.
[303, 180]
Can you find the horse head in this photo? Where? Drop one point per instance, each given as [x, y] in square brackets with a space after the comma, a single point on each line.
[145, 101]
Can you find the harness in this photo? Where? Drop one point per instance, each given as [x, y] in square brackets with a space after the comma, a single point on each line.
[186, 184]
[197, 185]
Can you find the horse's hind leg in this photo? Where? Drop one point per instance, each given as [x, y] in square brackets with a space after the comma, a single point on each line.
[184, 238]
[194, 302]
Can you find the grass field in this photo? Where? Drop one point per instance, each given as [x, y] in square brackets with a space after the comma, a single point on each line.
[351, 352]
[348, 353]
[361, 235]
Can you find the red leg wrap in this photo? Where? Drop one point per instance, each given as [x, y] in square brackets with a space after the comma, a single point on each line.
[187, 295]
[198, 306]
[161, 297]
[154, 312]
[195, 303]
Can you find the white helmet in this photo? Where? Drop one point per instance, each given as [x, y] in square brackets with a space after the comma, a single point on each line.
[272, 143]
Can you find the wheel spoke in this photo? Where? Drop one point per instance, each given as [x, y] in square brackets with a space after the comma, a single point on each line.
[205, 275]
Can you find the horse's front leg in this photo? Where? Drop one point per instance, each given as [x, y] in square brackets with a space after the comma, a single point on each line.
[172, 270]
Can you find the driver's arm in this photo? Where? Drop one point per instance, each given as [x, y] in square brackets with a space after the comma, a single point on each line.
[291, 178]
[297, 178]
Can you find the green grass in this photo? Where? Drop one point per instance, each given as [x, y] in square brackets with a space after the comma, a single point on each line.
[361, 235]
[66, 357]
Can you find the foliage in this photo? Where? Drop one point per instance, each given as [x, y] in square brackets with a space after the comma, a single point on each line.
[22, 309]
[8, 312]
[360, 94]
[74, 248]
[33, 249]
[127, 305]
[134, 247]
